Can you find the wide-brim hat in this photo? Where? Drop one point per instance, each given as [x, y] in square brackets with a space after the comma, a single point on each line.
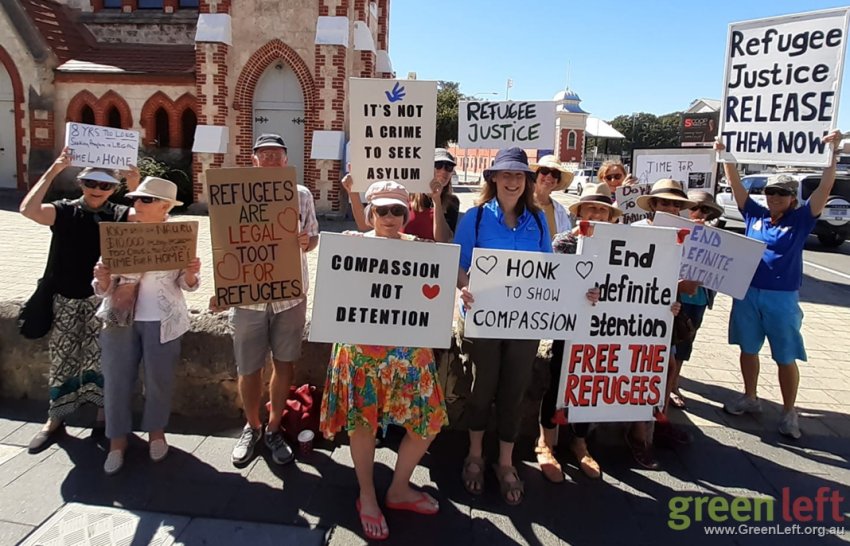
[598, 194]
[551, 162]
[704, 199]
[509, 159]
[666, 188]
[158, 188]
[98, 175]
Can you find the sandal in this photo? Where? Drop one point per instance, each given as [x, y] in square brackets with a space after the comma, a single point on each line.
[677, 400]
[378, 521]
[424, 504]
[549, 465]
[470, 476]
[506, 487]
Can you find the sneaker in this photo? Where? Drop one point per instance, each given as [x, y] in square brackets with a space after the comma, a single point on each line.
[743, 404]
[281, 452]
[244, 448]
[790, 425]
[668, 436]
[114, 462]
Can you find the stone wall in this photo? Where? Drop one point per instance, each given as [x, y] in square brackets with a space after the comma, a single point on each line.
[144, 28]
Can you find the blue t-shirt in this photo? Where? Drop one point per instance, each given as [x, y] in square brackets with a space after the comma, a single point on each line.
[781, 266]
[494, 233]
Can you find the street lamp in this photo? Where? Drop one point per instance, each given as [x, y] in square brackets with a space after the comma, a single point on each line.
[484, 93]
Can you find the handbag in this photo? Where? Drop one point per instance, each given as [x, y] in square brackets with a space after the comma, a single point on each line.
[683, 329]
[300, 413]
[36, 316]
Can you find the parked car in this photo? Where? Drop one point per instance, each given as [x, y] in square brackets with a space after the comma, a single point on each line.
[582, 178]
[833, 226]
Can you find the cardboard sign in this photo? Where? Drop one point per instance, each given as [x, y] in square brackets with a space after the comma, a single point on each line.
[254, 223]
[393, 130]
[527, 295]
[699, 129]
[616, 369]
[95, 146]
[502, 124]
[375, 291]
[127, 247]
[695, 169]
[627, 201]
[721, 260]
[781, 88]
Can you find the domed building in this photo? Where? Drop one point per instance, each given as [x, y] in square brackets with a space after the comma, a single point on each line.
[571, 123]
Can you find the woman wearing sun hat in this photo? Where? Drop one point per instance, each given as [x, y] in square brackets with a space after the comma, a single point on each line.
[667, 196]
[551, 176]
[370, 387]
[75, 375]
[149, 329]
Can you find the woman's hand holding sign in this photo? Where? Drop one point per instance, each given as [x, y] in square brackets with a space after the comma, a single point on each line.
[102, 276]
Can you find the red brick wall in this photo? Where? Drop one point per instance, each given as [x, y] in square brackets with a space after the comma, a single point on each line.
[100, 107]
[175, 111]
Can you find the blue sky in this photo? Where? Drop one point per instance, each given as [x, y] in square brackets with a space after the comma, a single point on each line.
[622, 56]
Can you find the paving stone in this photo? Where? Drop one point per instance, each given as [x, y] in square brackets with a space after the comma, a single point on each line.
[223, 532]
[14, 467]
[13, 533]
[8, 426]
[9, 452]
[34, 495]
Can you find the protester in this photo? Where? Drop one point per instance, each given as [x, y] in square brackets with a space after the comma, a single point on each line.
[613, 173]
[144, 315]
[771, 306]
[506, 218]
[369, 387]
[594, 205]
[277, 327]
[75, 374]
[551, 176]
[423, 222]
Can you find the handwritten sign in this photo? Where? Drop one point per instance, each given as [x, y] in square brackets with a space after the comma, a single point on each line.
[616, 369]
[694, 168]
[502, 124]
[393, 131]
[721, 260]
[128, 247]
[781, 88]
[627, 201]
[527, 295]
[95, 146]
[376, 291]
[253, 226]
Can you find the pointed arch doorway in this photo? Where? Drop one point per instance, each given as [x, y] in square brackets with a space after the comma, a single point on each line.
[279, 108]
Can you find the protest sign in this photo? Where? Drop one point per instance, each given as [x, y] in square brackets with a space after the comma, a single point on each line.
[95, 146]
[254, 223]
[721, 260]
[699, 129]
[527, 295]
[375, 291]
[127, 247]
[627, 201]
[616, 369]
[393, 131]
[502, 124]
[781, 88]
[694, 168]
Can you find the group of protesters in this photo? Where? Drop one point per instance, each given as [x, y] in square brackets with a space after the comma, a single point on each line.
[106, 324]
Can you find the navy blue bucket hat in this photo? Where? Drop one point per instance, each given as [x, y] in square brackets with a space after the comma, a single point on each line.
[509, 159]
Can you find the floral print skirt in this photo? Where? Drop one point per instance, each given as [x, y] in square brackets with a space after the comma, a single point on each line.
[376, 386]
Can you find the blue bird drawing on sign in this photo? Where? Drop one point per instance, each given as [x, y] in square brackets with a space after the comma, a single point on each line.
[396, 94]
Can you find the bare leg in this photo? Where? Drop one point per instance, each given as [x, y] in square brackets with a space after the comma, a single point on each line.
[51, 424]
[672, 381]
[476, 446]
[789, 381]
[548, 437]
[118, 444]
[412, 448]
[250, 391]
[750, 372]
[506, 458]
[156, 435]
[363, 454]
[282, 376]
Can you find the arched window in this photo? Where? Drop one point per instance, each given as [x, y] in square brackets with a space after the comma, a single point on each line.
[571, 140]
[188, 122]
[163, 136]
[113, 117]
[87, 115]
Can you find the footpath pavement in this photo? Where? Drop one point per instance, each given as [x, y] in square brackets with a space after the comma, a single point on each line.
[195, 496]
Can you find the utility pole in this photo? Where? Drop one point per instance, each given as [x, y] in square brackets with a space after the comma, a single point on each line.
[508, 88]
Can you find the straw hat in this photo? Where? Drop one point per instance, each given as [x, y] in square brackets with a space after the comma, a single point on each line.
[158, 188]
[598, 194]
[704, 199]
[665, 188]
[551, 162]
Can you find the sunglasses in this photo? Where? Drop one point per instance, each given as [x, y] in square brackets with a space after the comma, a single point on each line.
[610, 177]
[667, 203]
[145, 199]
[554, 173]
[444, 166]
[777, 191]
[95, 185]
[704, 209]
[395, 210]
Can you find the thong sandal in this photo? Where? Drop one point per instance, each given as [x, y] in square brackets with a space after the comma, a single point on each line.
[549, 465]
[377, 521]
[677, 400]
[506, 487]
[424, 504]
[471, 476]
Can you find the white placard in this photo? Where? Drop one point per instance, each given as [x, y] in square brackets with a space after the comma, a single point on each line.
[211, 139]
[616, 370]
[502, 124]
[327, 145]
[781, 87]
[627, 201]
[723, 261]
[393, 130]
[694, 168]
[96, 146]
[527, 295]
[374, 291]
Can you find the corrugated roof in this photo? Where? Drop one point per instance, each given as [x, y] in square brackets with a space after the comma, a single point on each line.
[63, 34]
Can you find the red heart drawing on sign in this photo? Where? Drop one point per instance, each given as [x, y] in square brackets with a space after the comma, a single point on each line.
[430, 291]
[288, 220]
[228, 267]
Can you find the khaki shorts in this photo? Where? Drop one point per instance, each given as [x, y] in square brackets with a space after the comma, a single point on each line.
[255, 333]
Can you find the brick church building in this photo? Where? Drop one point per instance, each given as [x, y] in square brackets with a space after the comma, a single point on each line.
[198, 78]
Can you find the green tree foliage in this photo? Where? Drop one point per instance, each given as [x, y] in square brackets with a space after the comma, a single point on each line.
[448, 96]
[643, 130]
